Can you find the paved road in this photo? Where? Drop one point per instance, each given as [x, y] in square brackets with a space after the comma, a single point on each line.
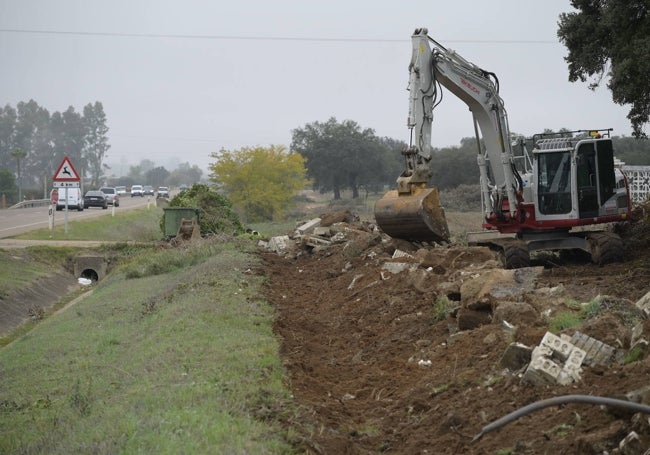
[18, 221]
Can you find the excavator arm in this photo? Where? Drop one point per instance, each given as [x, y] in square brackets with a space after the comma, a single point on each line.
[413, 210]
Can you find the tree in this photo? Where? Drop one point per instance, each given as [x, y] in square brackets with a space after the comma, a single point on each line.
[8, 187]
[19, 155]
[261, 182]
[611, 39]
[341, 155]
[157, 176]
[96, 144]
[453, 166]
[8, 120]
[185, 174]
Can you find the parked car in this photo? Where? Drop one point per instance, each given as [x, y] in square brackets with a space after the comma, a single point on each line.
[121, 190]
[136, 190]
[96, 198]
[163, 191]
[147, 190]
[75, 199]
[112, 197]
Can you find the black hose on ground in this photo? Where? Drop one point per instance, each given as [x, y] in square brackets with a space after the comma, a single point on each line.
[503, 421]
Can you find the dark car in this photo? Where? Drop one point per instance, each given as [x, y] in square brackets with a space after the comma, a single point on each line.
[147, 190]
[95, 199]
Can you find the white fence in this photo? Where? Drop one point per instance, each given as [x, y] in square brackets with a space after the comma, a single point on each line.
[639, 179]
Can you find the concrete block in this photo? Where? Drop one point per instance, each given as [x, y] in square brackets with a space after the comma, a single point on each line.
[644, 304]
[560, 347]
[401, 254]
[314, 241]
[322, 231]
[397, 267]
[596, 352]
[309, 226]
[542, 371]
[279, 244]
[575, 359]
[555, 361]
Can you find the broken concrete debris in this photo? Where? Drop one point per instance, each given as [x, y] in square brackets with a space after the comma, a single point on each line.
[554, 360]
[309, 226]
[644, 304]
[279, 244]
[596, 352]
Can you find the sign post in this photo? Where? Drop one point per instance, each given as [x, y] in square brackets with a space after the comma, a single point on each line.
[54, 198]
[66, 176]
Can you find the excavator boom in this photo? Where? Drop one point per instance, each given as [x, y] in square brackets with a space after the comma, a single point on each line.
[413, 211]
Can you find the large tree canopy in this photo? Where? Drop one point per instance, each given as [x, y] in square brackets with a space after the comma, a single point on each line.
[611, 39]
[342, 155]
[260, 182]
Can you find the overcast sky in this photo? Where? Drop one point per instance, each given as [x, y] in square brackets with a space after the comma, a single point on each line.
[181, 79]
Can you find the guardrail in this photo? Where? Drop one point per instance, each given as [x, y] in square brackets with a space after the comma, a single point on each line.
[31, 203]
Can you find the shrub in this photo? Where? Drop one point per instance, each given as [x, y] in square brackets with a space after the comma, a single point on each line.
[217, 215]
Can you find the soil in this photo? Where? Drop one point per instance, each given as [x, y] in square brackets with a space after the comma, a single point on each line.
[375, 368]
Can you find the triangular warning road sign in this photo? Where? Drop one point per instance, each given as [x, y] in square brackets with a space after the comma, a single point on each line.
[66, 172]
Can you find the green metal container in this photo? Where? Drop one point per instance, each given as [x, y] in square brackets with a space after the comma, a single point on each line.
[172, 217]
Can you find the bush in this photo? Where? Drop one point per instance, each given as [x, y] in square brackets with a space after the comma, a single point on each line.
[217, 215]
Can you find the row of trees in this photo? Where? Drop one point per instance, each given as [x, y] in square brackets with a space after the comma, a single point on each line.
[334, 156]
[148, 173]
[36, 141]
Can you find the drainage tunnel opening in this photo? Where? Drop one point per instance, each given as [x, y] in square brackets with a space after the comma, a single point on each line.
[90, 274]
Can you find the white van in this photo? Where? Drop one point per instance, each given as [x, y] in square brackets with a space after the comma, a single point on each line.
[75, 199]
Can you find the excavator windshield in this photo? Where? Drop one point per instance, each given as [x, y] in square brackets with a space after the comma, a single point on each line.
[554, 177]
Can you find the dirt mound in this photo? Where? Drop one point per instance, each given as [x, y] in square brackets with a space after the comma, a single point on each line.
[393, 347]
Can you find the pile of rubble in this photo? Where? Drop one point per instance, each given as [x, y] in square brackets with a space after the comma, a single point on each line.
[479, 292]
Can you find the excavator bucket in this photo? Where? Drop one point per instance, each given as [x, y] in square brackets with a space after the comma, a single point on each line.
[416, 217]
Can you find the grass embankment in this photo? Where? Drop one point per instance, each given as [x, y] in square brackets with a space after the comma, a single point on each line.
[172, 353]
[139, 225]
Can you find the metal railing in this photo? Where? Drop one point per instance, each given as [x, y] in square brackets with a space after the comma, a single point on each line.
[31, 203]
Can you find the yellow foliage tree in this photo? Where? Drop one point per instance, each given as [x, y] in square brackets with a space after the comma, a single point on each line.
[260, 181]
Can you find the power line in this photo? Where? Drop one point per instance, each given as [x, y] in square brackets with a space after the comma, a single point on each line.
[255, 38]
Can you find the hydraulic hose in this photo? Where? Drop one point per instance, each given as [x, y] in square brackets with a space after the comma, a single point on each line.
[503, 421]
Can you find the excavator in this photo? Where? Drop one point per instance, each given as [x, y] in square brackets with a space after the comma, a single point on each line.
[553, 197]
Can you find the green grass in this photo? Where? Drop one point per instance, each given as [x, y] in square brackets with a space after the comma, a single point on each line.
[567, 319]
[180, 362]
[127, 225]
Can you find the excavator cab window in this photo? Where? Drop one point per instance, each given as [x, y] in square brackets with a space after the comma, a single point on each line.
[595, 176]
[554, 187]
[606, 175]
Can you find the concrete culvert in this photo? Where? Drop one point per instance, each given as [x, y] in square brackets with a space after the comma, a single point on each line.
[90, 274]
